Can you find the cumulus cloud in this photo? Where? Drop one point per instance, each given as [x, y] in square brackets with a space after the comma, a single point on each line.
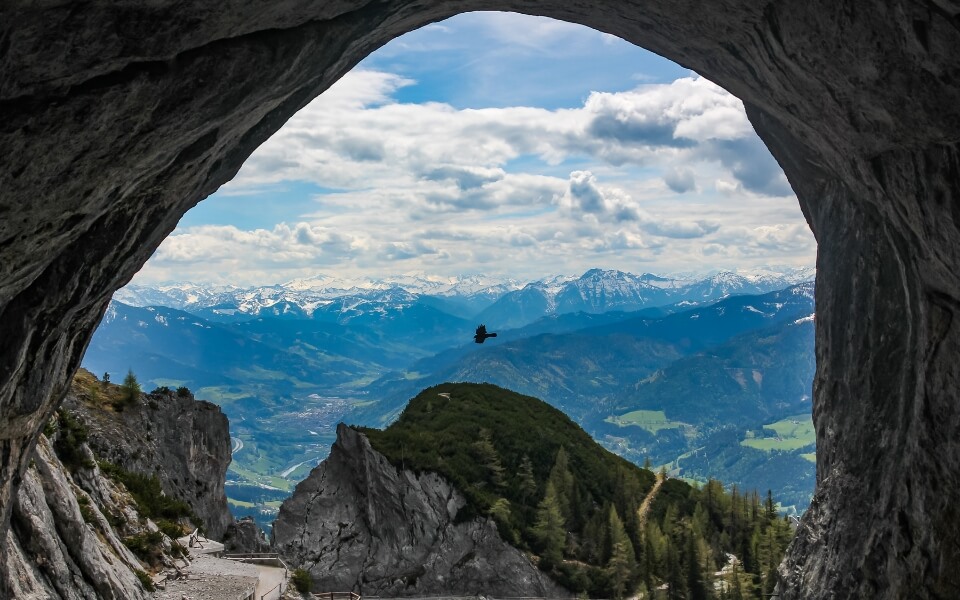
[585, 198]
[432, 186]
[282, 244]
[680, 179]
[750, 163]
[466, 178]
[356, 136]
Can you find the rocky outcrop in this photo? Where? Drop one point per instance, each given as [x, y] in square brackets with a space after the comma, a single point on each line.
[60, 544]
[358, 523]
[244, 535]
[184, 442]
[118, 117]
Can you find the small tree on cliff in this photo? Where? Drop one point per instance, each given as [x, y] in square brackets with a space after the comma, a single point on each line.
[130, 389]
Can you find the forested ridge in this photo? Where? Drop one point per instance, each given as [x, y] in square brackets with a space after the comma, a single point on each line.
[575, 507]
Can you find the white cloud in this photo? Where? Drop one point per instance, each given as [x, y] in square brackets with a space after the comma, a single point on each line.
[680, 179]
[281, 245]
[357, 137]
[584, 198]
[513, 190]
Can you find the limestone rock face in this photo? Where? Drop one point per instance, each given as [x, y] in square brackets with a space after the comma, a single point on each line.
[358, 523]
[244, 535]
[56, 552]
[183, 441]
[118, 117]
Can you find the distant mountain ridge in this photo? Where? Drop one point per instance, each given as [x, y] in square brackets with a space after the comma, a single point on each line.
[287, 362]
[600, 357]
[505, 302]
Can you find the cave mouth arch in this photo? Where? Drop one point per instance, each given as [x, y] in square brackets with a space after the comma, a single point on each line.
[110, 137]
[302, 149]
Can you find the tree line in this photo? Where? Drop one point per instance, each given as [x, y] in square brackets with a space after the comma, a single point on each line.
[575, 507]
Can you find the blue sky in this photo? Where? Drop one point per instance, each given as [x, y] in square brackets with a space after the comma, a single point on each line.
[502, 144]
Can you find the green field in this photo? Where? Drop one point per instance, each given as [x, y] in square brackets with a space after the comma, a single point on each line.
[651, 420]
[792, 433]
[272, 480]
[241, 503]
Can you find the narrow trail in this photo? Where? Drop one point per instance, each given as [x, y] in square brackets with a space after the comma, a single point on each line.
[648, 501]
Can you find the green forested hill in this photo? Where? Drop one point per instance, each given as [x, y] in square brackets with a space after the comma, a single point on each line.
[578, 509]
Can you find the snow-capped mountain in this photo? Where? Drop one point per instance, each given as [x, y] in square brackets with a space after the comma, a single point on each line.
[598, 291]
[504, 302]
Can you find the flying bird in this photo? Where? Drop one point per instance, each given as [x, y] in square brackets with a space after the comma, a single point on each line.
[482, 334]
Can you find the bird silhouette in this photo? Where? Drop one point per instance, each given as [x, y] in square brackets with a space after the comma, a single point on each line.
[482, 334]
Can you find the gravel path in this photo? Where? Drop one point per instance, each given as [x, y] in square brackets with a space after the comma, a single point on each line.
[212, 578]
[270, 578]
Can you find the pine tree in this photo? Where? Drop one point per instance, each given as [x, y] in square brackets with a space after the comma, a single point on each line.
[676, 583]
[527, 487]
[501, 510]
[130, 389]
[736, 587]
[489, 459]
[622, 561]
[770, 509]
[696, 587]
[562, 481]
[550, 529]
[595, 546]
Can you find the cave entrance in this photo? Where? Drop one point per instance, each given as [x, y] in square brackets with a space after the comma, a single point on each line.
[111, 138]
[506, 145]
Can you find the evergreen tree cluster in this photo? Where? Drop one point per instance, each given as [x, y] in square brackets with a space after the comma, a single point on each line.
[575, 508]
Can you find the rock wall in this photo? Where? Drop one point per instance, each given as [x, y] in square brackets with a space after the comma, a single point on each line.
[57, 550]
[357, 523]
[183, 441]
[118, 117]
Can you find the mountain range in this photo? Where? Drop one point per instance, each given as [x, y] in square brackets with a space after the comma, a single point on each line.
[506, 302]
[654, 367]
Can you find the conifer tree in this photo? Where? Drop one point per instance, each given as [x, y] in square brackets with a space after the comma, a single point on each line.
[527, 487]
[770, 509]
[676, 583]
[736, 586]
[130, 389]
[562, 481]
[489, 459]
[696, 587]
[595, 546]
[501, 511]
[622, 561]
[550, 529]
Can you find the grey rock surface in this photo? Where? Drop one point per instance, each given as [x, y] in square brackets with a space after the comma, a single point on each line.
[244, 535]
[357, 523]
[118, 117]
[210, 578]
[183, 441]
[53, 552]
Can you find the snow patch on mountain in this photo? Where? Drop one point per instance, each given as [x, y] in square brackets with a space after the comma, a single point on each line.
[596, 291]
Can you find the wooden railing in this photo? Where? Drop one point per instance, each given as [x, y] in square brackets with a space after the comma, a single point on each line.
[336, 596]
